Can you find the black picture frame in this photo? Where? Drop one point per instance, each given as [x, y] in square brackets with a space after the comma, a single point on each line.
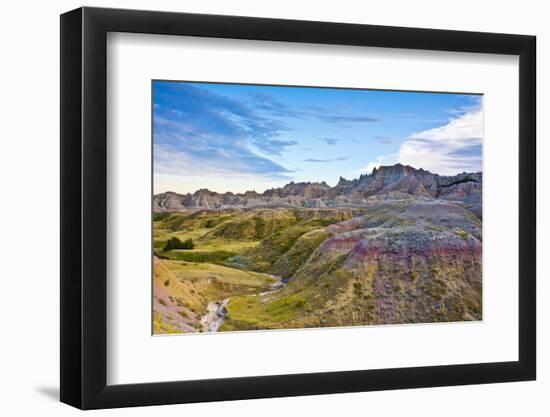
[84, 207]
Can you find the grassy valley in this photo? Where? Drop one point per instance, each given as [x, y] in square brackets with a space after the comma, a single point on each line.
[395, 260]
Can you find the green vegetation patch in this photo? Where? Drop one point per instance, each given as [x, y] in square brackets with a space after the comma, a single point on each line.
[176, 243]
[194, 272]
[250, 312]
[293, 259]
[254, 225]
[270, 250]
[215, 257]
[157, 217]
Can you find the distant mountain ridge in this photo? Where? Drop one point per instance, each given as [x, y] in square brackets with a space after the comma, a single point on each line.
[395, 181]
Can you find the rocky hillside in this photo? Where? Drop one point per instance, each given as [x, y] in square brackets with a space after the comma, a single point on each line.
[399, 245]
[398, 259]
[403, 179]
[416, 260]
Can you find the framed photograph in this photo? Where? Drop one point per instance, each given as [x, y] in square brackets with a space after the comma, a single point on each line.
[257, 208]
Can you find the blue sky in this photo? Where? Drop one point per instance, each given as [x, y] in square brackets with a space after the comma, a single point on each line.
[234, 137]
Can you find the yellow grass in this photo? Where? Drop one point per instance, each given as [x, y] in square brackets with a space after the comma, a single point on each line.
[192, 271]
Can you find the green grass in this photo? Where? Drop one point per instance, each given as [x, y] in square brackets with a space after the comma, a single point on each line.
[250, 312]
[211, 250]
[193, 285]
[329, 285]
[215, 257]
[295, 257]
[204, 271]
[270, 250]
[191, 220]
[160, 236]
[255, 225]
[157, 217]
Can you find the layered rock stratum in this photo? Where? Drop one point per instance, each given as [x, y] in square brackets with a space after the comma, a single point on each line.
[465, 187]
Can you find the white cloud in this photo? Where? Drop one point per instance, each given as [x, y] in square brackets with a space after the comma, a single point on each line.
[378, 161]
[446, 150]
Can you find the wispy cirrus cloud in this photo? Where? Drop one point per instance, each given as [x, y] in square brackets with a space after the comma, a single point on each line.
[328, 115]
[201, 132]
[341, 118]
[341, 158]
[197, 132]
[266, 102]
[269, 104]
[383, 140]
[331, 141]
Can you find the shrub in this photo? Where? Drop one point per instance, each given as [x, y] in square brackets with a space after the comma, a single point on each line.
[299, 303]
[176, 243]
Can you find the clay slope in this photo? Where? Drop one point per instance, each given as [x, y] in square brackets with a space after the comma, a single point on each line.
[404, 261]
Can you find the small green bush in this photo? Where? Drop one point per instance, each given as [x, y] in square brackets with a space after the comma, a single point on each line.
[176, 243]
